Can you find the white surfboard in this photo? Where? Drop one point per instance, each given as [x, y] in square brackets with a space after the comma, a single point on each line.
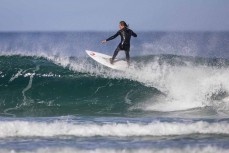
[105, 60]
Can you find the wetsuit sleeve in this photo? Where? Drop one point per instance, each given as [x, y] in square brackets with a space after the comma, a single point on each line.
[113, 37]
[133, 34]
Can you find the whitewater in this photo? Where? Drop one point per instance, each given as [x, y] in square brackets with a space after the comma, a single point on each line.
[175, 99]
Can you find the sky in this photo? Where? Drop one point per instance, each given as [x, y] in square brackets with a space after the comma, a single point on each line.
[104, 15]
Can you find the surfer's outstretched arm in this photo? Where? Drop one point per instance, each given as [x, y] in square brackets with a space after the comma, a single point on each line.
[110, 38]
[113, 37]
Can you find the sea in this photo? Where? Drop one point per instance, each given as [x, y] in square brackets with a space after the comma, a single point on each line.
[54, 98]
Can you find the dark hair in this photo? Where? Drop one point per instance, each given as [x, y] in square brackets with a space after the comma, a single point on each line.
[123, 23]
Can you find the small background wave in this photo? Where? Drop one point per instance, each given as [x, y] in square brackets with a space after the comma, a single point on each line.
[113, 134]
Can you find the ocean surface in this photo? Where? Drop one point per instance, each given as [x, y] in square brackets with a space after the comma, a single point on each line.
[53, 98]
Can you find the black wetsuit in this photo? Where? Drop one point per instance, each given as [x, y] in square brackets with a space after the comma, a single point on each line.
[125, 34]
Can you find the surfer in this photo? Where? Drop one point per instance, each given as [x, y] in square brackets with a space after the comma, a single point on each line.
[125, 34]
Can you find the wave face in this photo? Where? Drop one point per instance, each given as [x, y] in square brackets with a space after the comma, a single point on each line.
[52, 85]
[37, 86]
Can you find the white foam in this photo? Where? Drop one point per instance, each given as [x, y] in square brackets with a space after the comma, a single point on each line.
[16, 75]
[186, 87]
[207, 149]
[191, 87]
[43, 129]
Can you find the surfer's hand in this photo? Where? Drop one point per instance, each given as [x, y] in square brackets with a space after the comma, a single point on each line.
[104, 41]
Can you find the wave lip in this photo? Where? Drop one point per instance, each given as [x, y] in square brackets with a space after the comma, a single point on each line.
[59, 128]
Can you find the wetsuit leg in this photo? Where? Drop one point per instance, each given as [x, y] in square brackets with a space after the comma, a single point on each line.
[127, 51]
[116, 52]
[127, 56]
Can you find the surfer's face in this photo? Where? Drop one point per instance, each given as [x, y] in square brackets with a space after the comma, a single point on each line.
[121, 26]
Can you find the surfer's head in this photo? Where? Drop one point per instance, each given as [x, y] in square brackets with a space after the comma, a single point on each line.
[122, 24]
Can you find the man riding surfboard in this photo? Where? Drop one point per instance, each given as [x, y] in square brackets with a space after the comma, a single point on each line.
[125, 34]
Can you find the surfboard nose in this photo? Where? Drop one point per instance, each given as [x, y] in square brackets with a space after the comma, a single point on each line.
[91, 53]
